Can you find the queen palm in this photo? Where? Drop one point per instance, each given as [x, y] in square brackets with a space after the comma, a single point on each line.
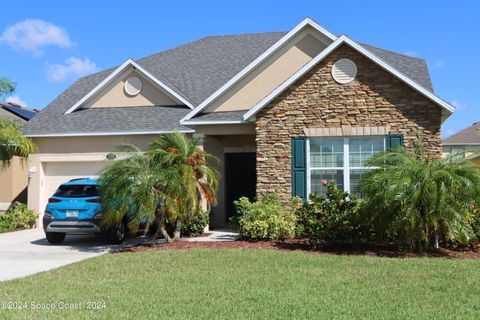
[13, 142]
[165, 182]
[420, 197]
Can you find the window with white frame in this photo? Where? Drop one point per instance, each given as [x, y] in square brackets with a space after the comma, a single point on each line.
[341, 160]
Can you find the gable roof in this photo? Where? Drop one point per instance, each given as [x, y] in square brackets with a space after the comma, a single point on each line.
[172, 91]
[467, 136]
[322, 55]
[194, 71]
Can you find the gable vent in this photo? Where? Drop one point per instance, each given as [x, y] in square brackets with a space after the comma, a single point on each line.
[344, 71]
[133, 86]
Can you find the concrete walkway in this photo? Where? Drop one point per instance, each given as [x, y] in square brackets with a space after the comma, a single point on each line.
[27, 252]
[216, 235]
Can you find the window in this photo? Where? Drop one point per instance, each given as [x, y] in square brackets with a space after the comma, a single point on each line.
[77, 191]
[340, 160]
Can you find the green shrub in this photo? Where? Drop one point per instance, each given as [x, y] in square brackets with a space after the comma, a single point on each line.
[17, 217]
[265, 219]
[195, 225]
[192, 226]
[330, 220]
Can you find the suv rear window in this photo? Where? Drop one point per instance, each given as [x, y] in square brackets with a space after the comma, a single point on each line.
[77, 191]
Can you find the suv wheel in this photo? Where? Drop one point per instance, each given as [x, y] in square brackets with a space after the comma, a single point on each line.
[118, 233]
[55, 237]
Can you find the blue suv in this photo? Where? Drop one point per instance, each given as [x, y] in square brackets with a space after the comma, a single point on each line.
[75, 209]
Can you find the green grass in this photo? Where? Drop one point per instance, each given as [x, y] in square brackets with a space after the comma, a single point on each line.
[253, 284]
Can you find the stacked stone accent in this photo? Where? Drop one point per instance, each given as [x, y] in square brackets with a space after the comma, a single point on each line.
[374, 99]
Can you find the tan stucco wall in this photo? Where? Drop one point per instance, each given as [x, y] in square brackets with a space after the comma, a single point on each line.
[114, 94]
[269, 75]
[71, 150]
[13, 181]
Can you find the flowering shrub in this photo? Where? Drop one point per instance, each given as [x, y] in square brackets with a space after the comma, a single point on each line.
[328, 220]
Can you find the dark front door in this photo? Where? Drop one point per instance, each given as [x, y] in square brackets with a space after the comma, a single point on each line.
[240, 178]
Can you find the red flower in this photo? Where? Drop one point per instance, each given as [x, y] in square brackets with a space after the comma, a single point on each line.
[324, 182]
[341, 202]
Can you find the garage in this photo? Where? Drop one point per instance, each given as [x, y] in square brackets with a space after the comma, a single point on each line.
[57, 173]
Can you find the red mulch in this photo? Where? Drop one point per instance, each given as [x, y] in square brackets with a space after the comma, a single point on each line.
[303, 246]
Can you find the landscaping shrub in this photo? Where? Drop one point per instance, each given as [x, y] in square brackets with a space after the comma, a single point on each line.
[265, 219]
[18, 217]
[195, 225]
[331, 220]
[421, 201]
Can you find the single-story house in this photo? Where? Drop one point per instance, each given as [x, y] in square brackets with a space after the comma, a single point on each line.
[14, 178]
[464, 144]
[282, 110]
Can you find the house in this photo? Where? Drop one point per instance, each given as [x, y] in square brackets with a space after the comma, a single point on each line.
[14, 179]
[281, 110]
[464, 144]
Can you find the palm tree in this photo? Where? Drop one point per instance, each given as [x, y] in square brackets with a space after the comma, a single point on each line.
[13, 142]
[419, 197]
[168, 181]
[199, 181]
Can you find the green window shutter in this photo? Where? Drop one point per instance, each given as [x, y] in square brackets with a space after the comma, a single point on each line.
[299, 168]
[394, 141]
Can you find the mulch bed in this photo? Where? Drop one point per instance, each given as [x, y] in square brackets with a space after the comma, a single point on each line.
[303, 246]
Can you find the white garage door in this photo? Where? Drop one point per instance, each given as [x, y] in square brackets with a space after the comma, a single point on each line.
[57, 173]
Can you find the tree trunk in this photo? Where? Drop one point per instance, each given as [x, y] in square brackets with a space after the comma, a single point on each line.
[436, 245]
[161, 228]
[178, 229]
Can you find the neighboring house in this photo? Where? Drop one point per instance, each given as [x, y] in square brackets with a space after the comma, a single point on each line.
[281, 110]
[464, 144]
[14, 179]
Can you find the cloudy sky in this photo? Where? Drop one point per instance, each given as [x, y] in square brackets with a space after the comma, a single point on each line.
[46, 45]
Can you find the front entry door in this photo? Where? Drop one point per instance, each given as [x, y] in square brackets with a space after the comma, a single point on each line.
[240, 178]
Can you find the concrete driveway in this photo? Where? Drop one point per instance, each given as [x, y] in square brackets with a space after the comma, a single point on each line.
[27, 252]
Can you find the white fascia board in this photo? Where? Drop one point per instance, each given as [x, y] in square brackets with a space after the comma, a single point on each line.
[256, 62]
[344, 39]
[199, 122]
[96, 134]
[116, 72]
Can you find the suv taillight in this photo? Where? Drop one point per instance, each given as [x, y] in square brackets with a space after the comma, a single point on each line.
[97, 200]
[51, 200]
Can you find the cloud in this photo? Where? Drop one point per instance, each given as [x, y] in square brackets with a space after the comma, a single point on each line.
[459, 106]
[72, 68]
[438, 64]
[16, 99]
[33, 35]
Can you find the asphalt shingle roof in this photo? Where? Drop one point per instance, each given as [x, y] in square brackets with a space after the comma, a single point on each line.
[224, 115]
[466, 136]
[194, 70]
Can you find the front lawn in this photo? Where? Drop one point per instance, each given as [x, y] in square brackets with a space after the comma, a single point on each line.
[252, 284]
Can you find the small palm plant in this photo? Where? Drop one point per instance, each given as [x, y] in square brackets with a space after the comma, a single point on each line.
[168, 181]
[13, 142]
[420, 198]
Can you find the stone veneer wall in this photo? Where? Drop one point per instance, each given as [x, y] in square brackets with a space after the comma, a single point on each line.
[375, 98]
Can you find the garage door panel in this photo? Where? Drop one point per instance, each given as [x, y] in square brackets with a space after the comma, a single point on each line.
[57, 173]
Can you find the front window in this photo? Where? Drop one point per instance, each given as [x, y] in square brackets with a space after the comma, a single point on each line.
[340, 160]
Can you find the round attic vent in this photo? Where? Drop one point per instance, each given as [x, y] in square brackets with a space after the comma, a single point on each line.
[133, 86]
[344, 71]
